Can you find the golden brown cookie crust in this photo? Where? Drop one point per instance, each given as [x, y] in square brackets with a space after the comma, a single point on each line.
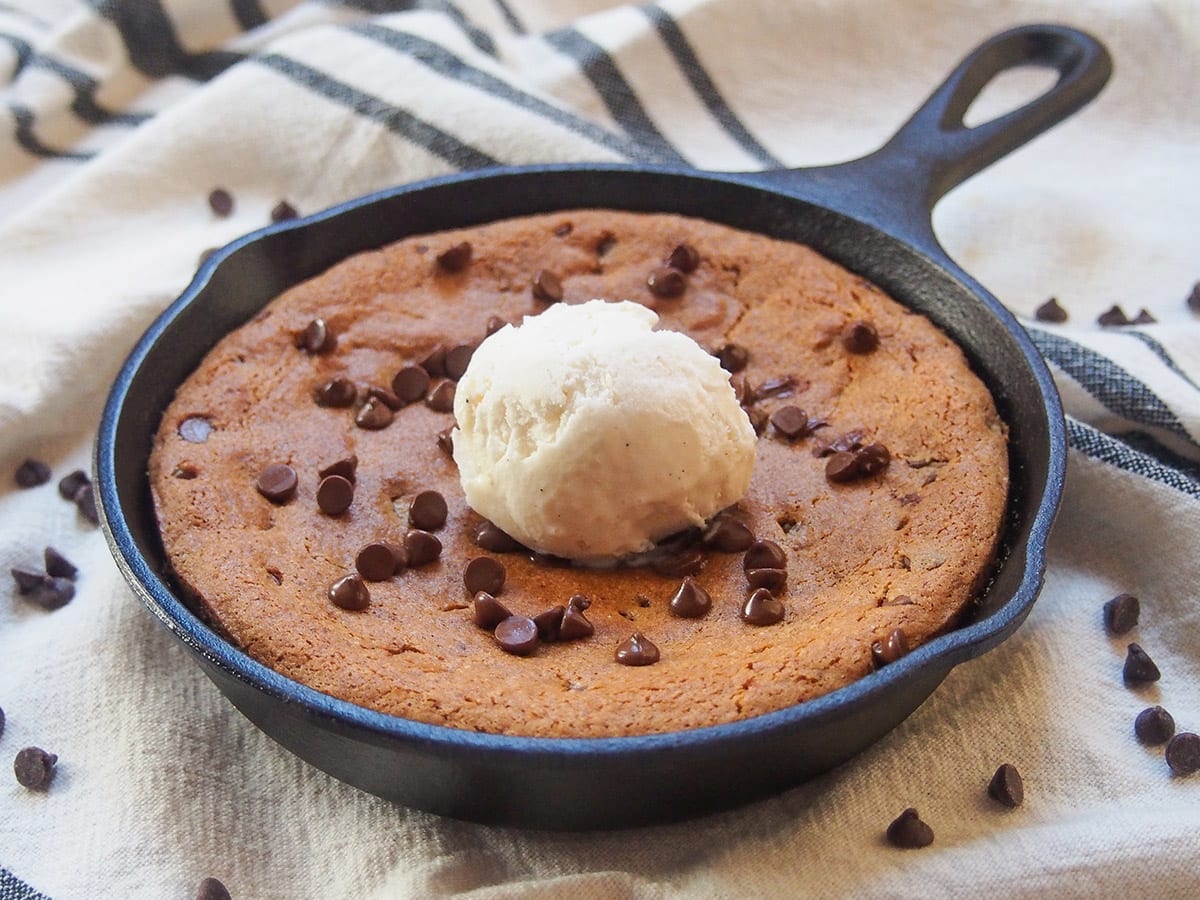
[906, 549]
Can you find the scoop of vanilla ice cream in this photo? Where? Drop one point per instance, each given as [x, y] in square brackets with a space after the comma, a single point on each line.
[585, 433]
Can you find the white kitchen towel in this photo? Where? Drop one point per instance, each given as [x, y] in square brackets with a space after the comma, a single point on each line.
[120, 116]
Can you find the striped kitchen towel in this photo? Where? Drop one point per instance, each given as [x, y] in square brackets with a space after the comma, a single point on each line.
[122, 116]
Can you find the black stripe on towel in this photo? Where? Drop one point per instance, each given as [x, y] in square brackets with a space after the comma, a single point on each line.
[1108, 449]
[408, 126]
[475, 34]
[510, 17]
[446, 63]
[13, 888]
[685, 57]
[30, 142]
[153, 46]
[622, 103]
[24, 52]
[1119, 391]
[1161, 352]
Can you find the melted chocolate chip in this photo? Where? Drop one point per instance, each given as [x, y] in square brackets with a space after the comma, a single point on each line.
[490, 537]
[337, 393]
[283, 211]
[860, 337]
[733, 357]
[780, 386]
[441, 398]
[908, 832]
[379, 561]
[335, 494]
[350, 593]
[764, 555]
[374, 415]
[636, 650]
[34, 768]
[851, 440]
[435, 362]
[547, 286]
[456, 258]
[317, 337]
[277, 482]
[890, 649]
[1050, 311]
[1183, 753]
[1121, 613]
[679, 562]
[346, 467]
[1154, 725]
[1139, 667]
[791, 422]
[1006, 786]
[774, 580]
[517, 635]
[762, 608]
[549, 623]
[428, 511]
[457, 360]
[445, 441]
[488, 612]
[58, 566]
[666, 282]
[690, 601]
[422, 547]
[31, 473]
[410, 384]
[726, 534]
[483, 573]
[220, 201]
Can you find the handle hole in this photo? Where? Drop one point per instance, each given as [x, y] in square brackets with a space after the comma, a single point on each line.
[1009, 90]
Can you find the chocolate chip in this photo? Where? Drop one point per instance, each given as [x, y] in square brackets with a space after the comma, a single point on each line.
[517, 635]
[1050, 311]
[842, 467]
[27, 580]
[666, 282]
[547, 286]
[1183, 753]
[762, 608]
[488, 611]
[1006, 786]
[347, 467]
[890, 649]
[679, 562]
[764, 555]
[71, 484]
[575, 624]
[758, 419]
[31, 473]
[851, 465]
[335, 494]
[743, 390]
[421, 547]
[780, 386]
[317, 337]
[791, 422]
[379, 561]
[549, 623]
[494, 324]
[211, 889]
[410, 383]
[457, 360]
[337, 393]
[34, 768]
[441, 398]
[428, 511]
[220, 201]
[490, 537]
[85, 502]
[374, 415]
[1121, 613]
[1154, 725]
[774, 580]
[483, 573]
[1143, 318]
[1114, 315]
[350, 593]
[277, 482]
[636, 650]
[435, 362]
[445, 441]
[690, 601]
[1139, 667]
[685, 258]
[908, 832]
[873, 459]
[455, 259]
[860, 337]
[1193, 299]
[726, 534]
[607, 241]
[54, 592]
[733, 357]
[563, 230]
[282, 211]
[851, 440]
[58, 565]
[385, 396]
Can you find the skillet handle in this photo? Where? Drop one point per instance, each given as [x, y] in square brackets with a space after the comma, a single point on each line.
[934, 151]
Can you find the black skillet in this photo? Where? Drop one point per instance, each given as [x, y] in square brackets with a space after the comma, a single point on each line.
[873, 215]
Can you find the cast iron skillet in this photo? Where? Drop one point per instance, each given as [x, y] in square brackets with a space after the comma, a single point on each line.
[873, 215]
